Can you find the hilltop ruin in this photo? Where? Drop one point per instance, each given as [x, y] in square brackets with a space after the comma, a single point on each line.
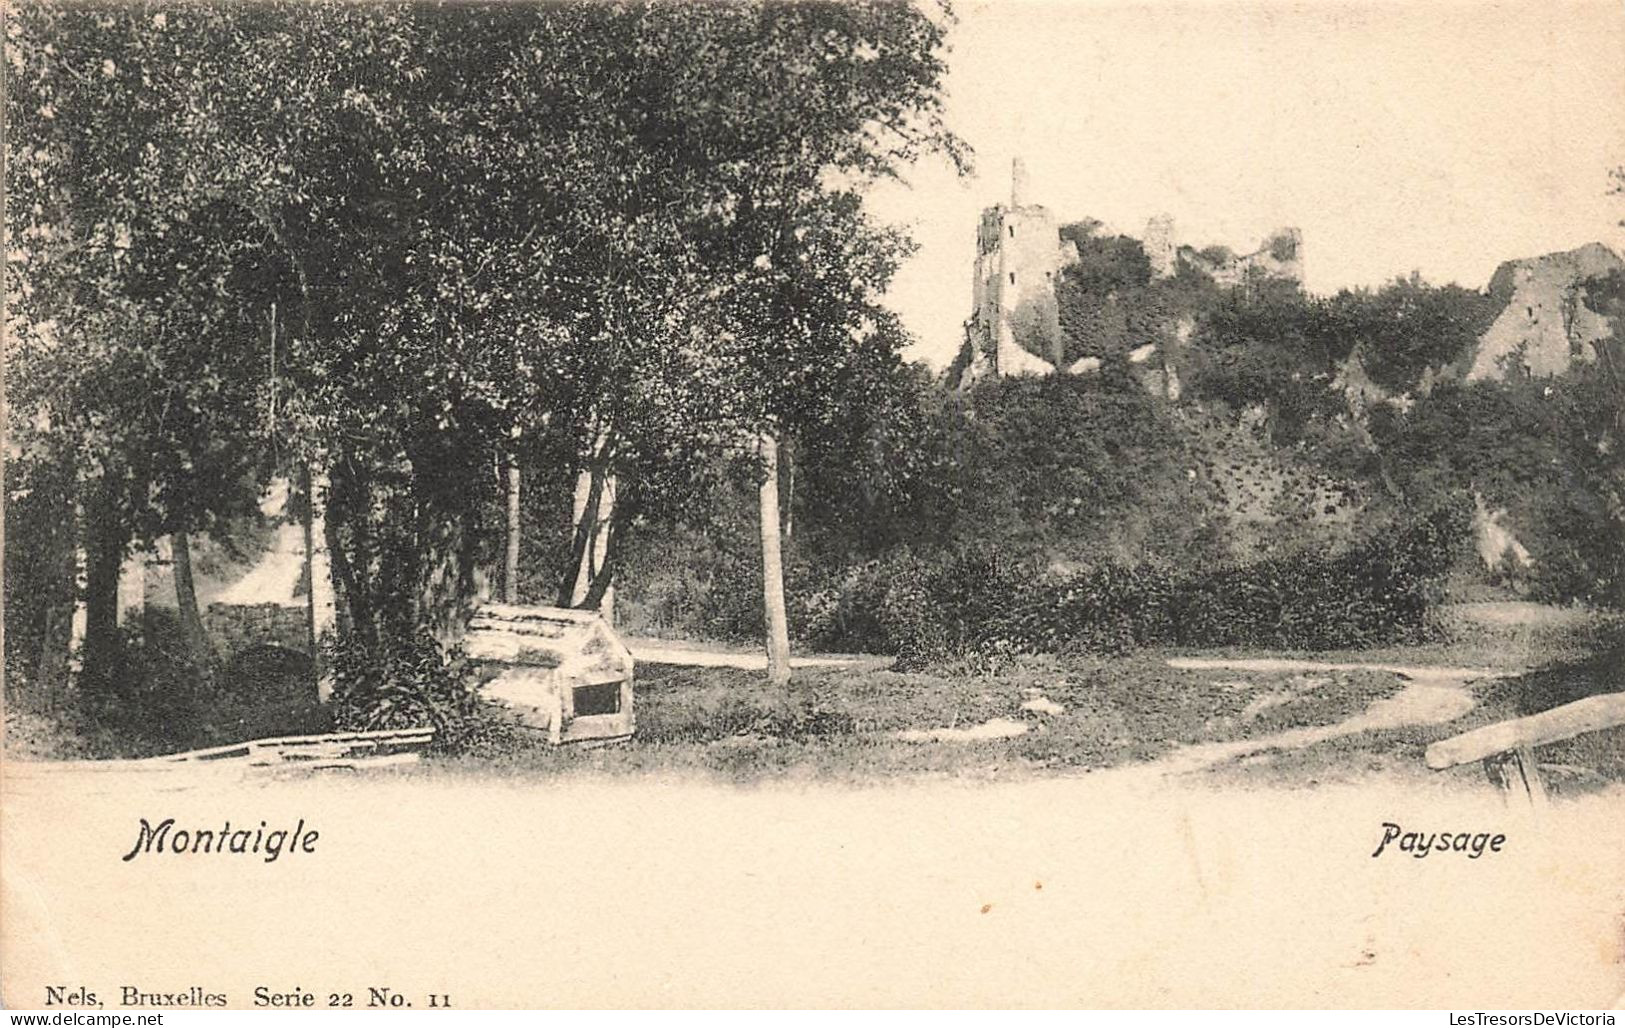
[1015, 327]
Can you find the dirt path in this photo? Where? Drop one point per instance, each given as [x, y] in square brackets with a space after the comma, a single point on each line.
[1274, 664]
[1432, 695]
[665, 651]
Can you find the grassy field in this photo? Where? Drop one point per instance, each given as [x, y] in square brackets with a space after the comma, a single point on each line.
[849, 724]
[852, 723]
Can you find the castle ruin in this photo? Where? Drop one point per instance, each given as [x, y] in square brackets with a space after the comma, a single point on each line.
[1279, 256]
[1015, 326]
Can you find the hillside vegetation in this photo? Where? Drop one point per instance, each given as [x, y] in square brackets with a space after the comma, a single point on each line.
[1305, 433]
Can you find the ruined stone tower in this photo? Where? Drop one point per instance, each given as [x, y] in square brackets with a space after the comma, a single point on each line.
[1015, 326]
[1159, 246]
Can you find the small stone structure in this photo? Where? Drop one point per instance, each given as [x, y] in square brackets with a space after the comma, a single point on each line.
[563, 671]
[283, 598]
[235, 628]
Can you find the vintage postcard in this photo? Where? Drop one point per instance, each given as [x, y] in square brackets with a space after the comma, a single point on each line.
[814, 505]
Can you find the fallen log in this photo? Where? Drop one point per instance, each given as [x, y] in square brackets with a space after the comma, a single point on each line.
[1507, 747]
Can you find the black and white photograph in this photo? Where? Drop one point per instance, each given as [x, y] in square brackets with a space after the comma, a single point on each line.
[813, 505]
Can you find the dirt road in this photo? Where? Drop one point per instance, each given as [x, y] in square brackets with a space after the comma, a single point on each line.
[1104, 889]
[665, 651]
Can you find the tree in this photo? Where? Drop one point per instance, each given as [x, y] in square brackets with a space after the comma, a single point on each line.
[631, 232]
[770, 116]
[1602, 395]
[778, 626]
[137, 315]
[1403, 329]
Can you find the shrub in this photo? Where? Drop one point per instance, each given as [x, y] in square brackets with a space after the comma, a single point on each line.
[415, 685]
[956, 606]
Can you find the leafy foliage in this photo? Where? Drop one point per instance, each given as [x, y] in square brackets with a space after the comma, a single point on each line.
[981, 601]
[404, 242]
[400, 687]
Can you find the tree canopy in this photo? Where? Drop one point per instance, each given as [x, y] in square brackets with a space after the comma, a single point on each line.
[401, 240]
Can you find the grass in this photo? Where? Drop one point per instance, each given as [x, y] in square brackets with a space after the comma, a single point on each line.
[844, 724]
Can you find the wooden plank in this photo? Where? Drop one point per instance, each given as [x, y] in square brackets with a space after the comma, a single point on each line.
[353, 764]
[326, 737]
[212, 753]
[1499, 770]
[341, 749]
[397, 736]
[1517, 776]
[1592, 714]
[17, 767]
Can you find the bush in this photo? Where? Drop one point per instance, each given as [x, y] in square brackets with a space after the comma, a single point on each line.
[415, 685]
[951, 605]
[922, 607]
[724, 704]
[160, 701]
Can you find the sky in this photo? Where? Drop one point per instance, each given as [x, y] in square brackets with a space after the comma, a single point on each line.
[1440, 137]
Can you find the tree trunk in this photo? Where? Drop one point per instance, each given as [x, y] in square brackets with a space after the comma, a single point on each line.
[590, 582]
[601, 590]
[56, 640]
[581, 535]
[197, 638]
[104, 556]
[593, 584]
[132, 590]
[58, 595]
[5, 487]
[321, 605]
[76, 617]
[510, 556]
[778, 626]
[447, 499]
[352, 549]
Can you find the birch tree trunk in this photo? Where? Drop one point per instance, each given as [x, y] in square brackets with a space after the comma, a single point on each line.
[79, 617]
[510, 556]
[319, 595]
[789, 463]
[60, 600]
[593, 520]
[778, 625]
[594, 510]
